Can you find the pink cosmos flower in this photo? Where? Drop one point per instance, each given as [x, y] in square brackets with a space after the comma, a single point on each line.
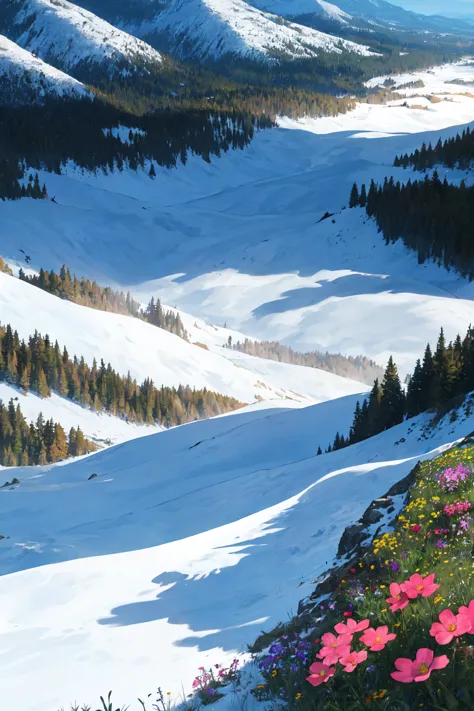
[376, 639]
[420, 669]
[417, 585]
[334, 647]
[469, 611]
[351, 627]
[352, 660]
[399, 599]
[449, 626]
[320, 673]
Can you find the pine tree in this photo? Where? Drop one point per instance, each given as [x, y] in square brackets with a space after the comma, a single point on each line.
[415, 392]
[392, 405]
[354, 197]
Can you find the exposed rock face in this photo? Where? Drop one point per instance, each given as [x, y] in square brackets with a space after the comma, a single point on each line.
[355, 541]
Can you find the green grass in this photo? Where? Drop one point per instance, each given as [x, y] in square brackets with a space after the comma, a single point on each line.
[409, 547]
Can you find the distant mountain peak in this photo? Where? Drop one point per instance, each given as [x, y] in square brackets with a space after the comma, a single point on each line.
[25, 78]
[69, 36]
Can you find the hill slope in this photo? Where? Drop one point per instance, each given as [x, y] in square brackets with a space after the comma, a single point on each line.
[173, 522]
[74, 39]
[25, 78]
[134, 346]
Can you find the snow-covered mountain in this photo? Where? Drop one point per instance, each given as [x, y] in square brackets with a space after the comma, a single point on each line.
[74, 39]
[212, 29]
[294, 8]
[372, 14]
[25, 78]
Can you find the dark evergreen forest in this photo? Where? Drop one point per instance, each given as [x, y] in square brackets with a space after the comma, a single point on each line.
[42, 442]
[438, 381]
[456, 152]
[430, 216]
[41, 366]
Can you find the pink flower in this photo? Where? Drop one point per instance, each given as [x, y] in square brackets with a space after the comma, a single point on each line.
[417, 585]
[334, 647]
[416, 528]
[420, 669]
[320, 673]
[449, 626]
[399, 599]
[351, 627]
[352, 660]
[469, 611]
[376, 639]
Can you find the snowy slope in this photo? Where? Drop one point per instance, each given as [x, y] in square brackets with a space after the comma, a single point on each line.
[293, 8]
[73, 38]
[239, 240]
[25, 78]
[101, 428]
[212, 29]
[182, 550]
[146, 351]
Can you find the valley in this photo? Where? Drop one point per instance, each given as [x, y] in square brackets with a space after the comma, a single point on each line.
[185, 534]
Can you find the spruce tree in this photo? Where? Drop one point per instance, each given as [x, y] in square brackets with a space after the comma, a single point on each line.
[392, 405]
[354, 196]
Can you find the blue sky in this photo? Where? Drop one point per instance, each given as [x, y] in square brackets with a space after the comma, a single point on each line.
[440, 7]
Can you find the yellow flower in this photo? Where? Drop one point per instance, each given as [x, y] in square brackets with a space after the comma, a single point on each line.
[274, 672]
[382, 587]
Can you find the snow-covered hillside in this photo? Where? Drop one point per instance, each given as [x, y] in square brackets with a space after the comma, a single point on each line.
[73, 38]
[212, 29]
[134, 346]
[239, 240]
[25, 78]
[102, 429]
[184, 547]
[188, 542]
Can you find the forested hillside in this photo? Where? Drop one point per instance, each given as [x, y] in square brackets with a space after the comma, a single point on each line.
[40, 442]
[86, 293]
[437, 380]
[42, 366]
[452, 152]
[358, 367]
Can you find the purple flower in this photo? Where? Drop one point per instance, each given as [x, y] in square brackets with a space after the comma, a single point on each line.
[440, 543]
[394, 566]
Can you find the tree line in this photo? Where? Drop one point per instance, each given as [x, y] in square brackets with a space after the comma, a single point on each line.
[437, 379]
[88, 293]
[41, 366]
[13, 184]
[62, 130]
[453, 152]
[433, 218]
[355, 367]
[42, 442]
